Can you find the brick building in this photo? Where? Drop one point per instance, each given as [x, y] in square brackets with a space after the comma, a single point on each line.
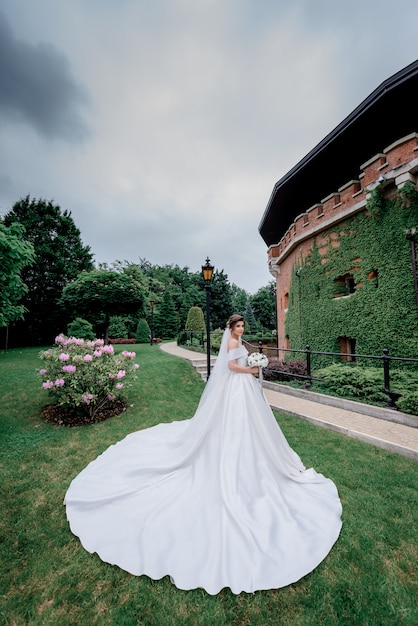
[375, 147]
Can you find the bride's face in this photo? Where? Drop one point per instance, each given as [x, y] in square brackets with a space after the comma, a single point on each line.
[238, 329]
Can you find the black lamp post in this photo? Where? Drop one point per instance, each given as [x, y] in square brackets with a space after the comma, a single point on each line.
[152, 303]
[207, 271]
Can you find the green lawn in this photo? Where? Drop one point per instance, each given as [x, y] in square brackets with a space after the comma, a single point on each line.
[46, 577]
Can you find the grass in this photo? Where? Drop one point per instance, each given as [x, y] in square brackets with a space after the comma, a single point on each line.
[46, 577]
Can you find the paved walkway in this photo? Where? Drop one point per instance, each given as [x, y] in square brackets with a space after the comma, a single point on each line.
[354, 421]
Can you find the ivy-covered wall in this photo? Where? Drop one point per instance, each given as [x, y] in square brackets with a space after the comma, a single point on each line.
[369, 253]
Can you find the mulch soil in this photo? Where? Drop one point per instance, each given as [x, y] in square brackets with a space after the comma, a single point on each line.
[61, 416]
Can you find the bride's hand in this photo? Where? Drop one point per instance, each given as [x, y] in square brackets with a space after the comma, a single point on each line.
[254, 370]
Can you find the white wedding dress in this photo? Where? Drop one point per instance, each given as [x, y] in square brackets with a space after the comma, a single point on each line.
[219, 500]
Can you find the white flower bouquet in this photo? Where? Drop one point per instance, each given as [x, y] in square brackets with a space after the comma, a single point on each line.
[257, 359]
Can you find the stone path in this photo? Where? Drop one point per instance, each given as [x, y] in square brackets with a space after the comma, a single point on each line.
[382, 428]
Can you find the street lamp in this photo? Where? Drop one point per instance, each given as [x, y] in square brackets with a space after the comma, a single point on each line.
[207, 271]
[152, 303]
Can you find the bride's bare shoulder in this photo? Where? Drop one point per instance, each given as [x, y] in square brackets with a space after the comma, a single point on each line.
[233, 344]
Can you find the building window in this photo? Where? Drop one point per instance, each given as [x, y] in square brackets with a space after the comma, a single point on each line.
[344, 285]
[286, 301]
[347, 349]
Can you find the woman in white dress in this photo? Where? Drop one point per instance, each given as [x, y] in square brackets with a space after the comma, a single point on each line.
[219, 500]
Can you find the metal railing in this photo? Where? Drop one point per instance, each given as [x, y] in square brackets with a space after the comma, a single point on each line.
[385, 358]
[193, 337]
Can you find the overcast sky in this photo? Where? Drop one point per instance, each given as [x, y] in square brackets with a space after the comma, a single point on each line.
[163, 125]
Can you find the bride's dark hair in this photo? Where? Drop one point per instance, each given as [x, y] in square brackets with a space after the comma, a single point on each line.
[233, 320]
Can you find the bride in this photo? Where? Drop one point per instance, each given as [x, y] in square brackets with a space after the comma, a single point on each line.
[219, 500]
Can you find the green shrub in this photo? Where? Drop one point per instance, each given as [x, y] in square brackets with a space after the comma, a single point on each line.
[143, 331]
[215, 340]
[117, 327]
[367, 383]
[195, 320]
[353, 382]
[408, 402]
[81, 329]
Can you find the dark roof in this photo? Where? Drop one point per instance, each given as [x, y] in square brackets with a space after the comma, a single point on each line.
[389, 113]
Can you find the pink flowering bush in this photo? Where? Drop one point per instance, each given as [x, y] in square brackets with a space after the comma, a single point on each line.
[86, 374]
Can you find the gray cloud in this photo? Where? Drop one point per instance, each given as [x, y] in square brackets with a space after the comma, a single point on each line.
[198, 107]
[37, 87]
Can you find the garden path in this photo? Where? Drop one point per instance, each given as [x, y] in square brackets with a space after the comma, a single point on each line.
[352, 419]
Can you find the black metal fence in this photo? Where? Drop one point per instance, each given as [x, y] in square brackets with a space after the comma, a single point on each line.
[385, 359]
[192, 338]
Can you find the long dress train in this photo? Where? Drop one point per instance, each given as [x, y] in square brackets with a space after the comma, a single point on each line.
[219, 500]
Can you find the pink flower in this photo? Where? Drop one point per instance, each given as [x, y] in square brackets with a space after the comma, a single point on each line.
[108, 349]
[99, 342]
[42, 372]
[112, 375]
[76, 341]
[97, 353]
[59, 382]
[121, 374]
[60, 338]
[48, 384]
[119, 385]
[110, 396]
[91, 344]
[87, 397]
[70, 369]
[64, 356]
[88, 358]
[136, 366]
[129, 355]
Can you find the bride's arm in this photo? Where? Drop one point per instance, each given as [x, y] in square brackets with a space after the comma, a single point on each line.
[233, 365]
[241, 369]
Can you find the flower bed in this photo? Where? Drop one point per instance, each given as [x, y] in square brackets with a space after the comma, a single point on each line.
[86, 376]
[121, 340]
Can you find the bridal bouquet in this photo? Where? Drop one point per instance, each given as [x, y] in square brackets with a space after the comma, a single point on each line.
[257, 359]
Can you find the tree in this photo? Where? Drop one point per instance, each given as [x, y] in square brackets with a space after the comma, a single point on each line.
[184, 287]
[239, 299]
[264, 306]
[15, 254]
[102, 294]
[195, 319]
[143, 331]
[167, 319]
[60, 257]
[221, 299]
[117, 327]
[249, 317]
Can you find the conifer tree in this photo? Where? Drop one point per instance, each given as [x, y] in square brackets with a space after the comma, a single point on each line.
[166, 320]
[143, 331]
[249, 318]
